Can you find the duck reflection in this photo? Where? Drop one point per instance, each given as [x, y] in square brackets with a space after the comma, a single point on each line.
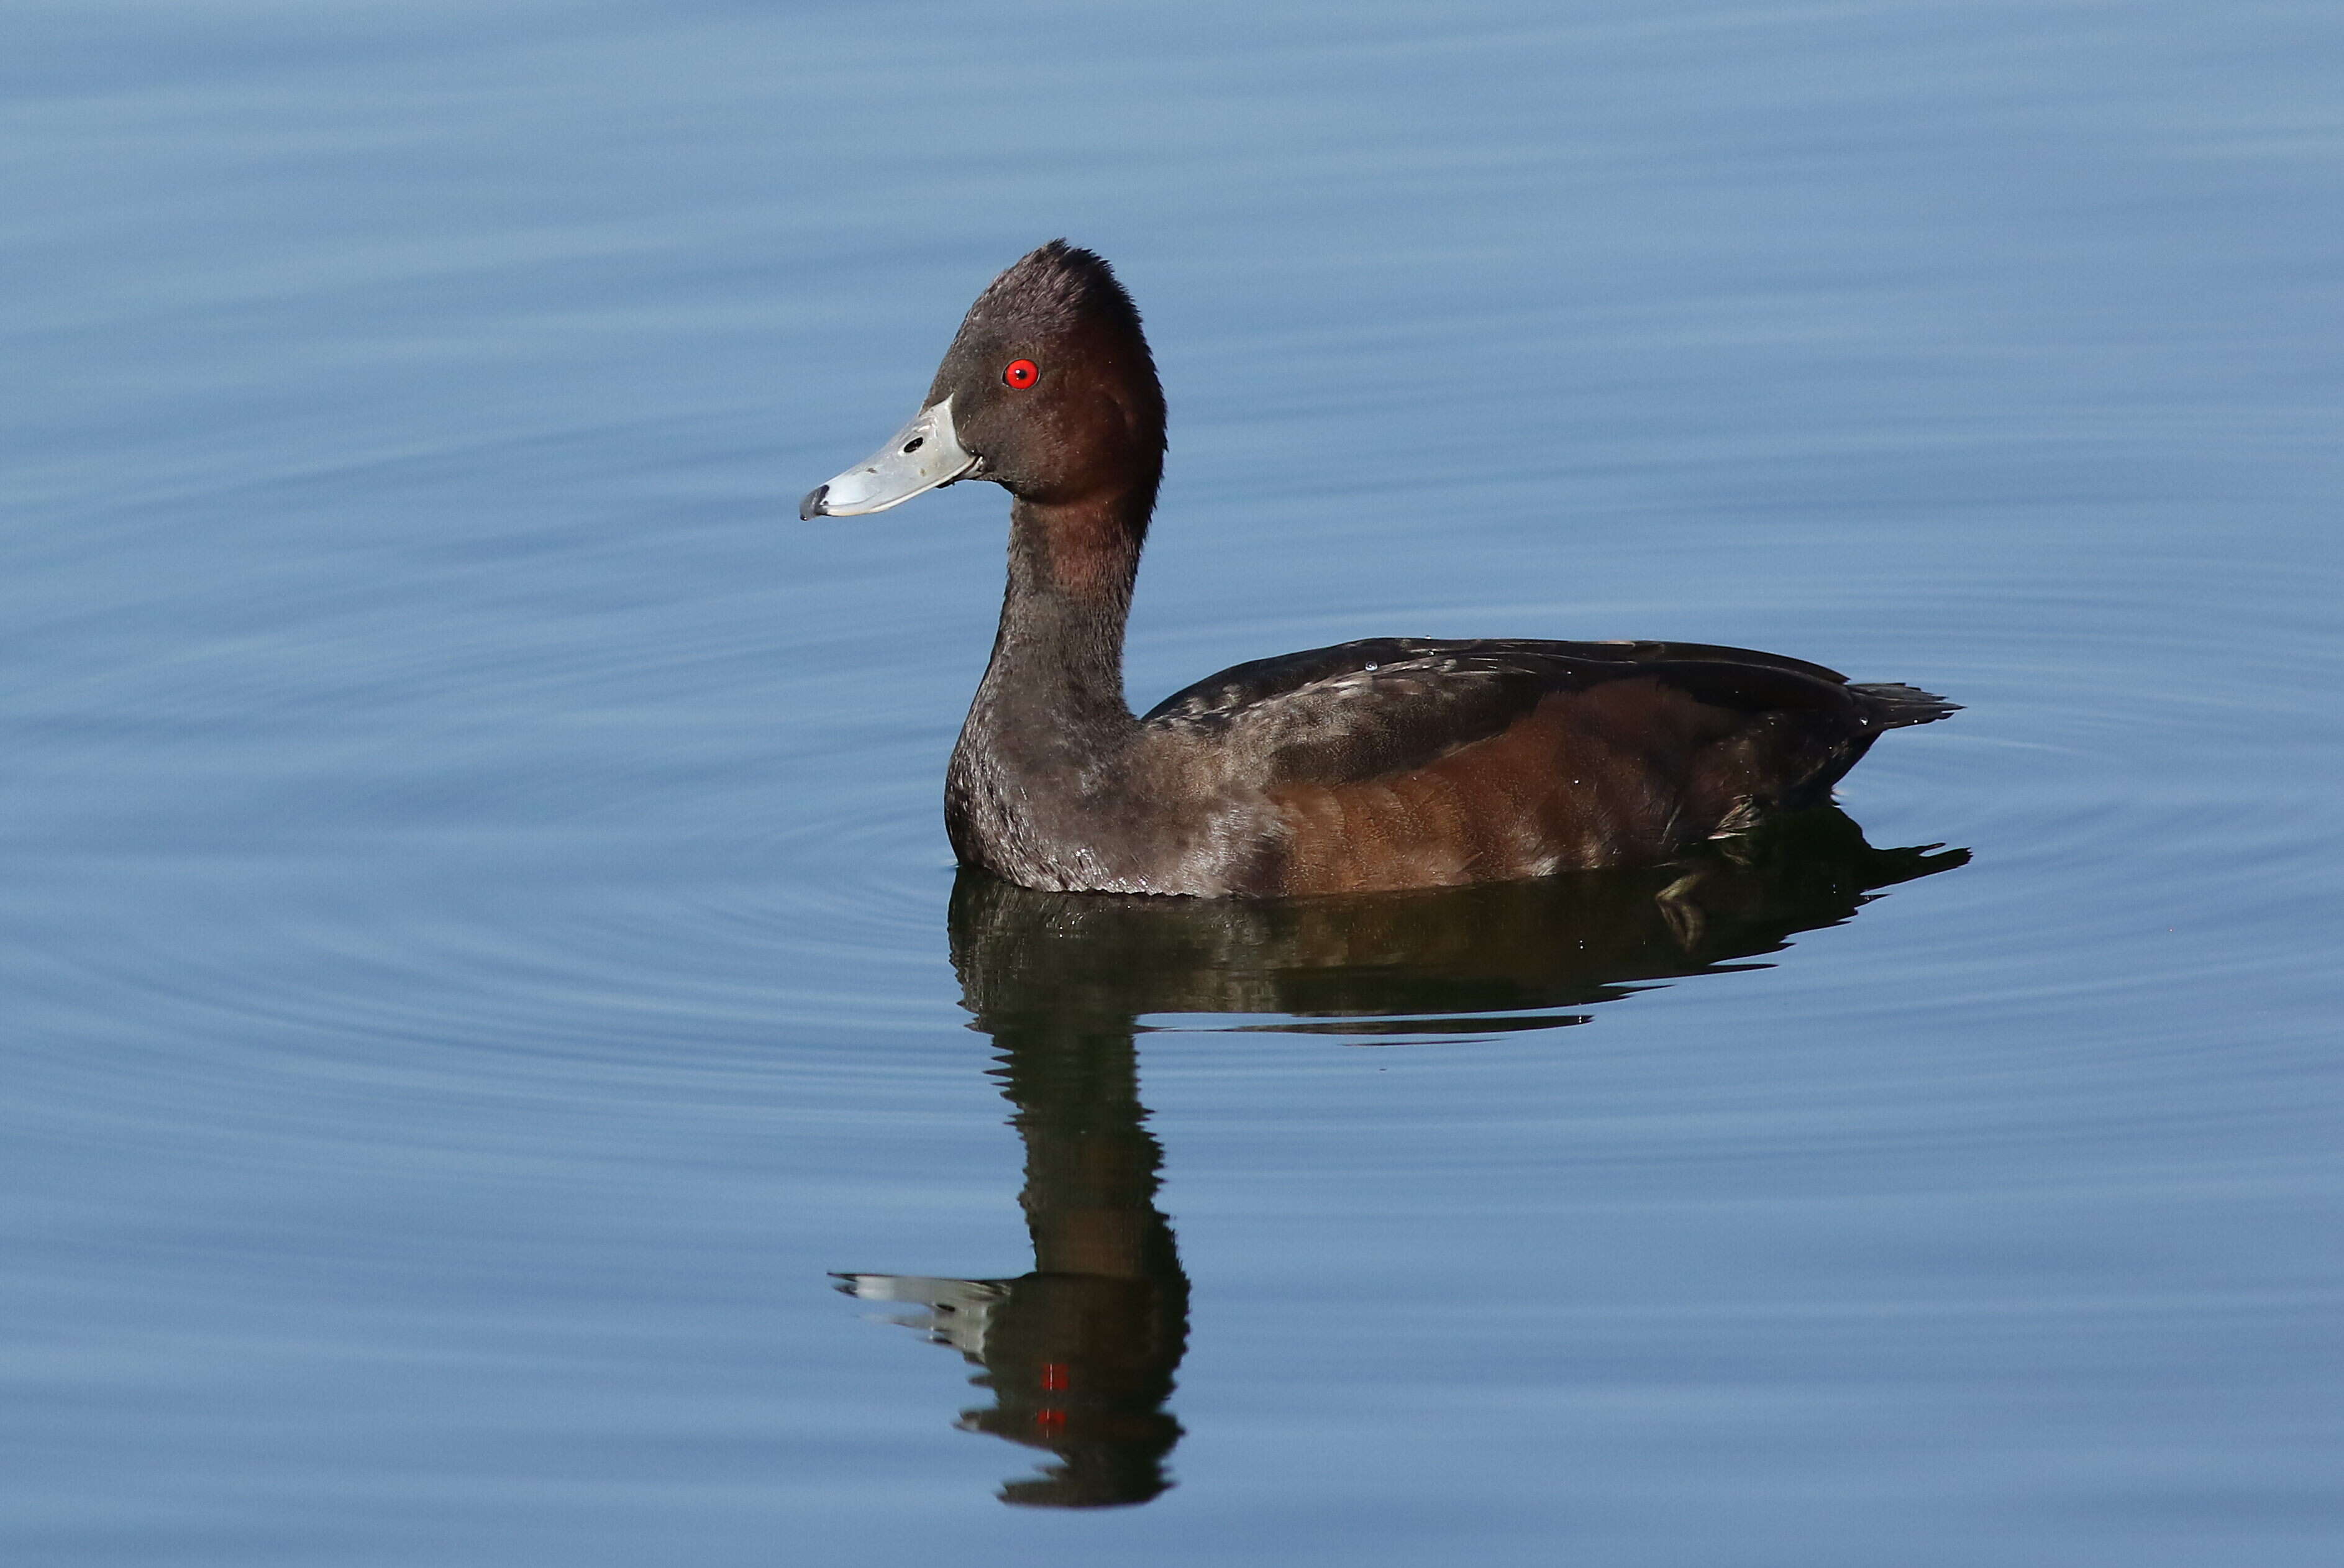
[1080, 1352]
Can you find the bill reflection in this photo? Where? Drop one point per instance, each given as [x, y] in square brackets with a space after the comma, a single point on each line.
[1079, 1352]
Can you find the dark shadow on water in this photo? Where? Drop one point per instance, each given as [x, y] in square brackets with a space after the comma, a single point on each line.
[1080, 1352]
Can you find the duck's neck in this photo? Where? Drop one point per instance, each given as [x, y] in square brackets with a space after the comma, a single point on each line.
[1054, 686]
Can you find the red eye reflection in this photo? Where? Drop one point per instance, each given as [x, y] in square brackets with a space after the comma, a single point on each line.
[1021, 373]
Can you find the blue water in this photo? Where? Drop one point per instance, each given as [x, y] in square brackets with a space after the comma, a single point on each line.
[478, 949]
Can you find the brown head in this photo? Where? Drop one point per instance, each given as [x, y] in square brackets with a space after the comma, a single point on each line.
[1048, 391]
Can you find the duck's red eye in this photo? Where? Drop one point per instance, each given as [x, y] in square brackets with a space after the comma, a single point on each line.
[1021, 373]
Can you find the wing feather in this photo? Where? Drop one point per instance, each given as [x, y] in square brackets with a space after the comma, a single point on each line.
[1367, 710]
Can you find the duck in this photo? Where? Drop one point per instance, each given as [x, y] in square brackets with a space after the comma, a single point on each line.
[1372, 767]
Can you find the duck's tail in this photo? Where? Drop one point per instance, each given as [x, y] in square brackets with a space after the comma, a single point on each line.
[1891, 705]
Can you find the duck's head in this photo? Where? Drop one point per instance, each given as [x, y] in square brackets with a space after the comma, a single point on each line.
[1048, 391]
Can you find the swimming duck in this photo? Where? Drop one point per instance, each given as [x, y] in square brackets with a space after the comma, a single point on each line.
[1392, 762]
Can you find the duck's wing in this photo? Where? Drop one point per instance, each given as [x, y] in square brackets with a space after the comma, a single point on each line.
[1651, 653]
[1879, 704]
[1366, 710]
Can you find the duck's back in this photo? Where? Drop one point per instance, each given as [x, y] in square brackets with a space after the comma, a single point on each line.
[1408, 763]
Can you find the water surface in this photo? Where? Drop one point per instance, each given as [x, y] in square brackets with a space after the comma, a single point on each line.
[481, 952]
